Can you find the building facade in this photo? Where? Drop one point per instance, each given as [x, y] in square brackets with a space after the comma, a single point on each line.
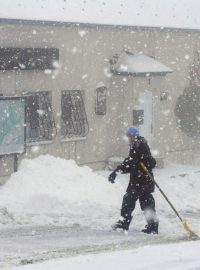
[79, 105]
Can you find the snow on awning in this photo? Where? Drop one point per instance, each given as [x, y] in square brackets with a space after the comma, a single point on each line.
[139, 65]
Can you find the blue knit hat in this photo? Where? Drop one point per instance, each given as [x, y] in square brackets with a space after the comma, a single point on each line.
[132, 131]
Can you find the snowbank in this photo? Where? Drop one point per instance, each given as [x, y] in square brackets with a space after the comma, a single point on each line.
[183, 190]
[49, 190]
[54, 190]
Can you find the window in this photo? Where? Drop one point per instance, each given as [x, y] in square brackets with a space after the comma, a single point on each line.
[28, 58]
[40, 124]
[73, 116]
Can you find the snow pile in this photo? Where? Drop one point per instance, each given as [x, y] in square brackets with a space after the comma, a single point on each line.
[49, 190]
[182, 186]
[54, 190]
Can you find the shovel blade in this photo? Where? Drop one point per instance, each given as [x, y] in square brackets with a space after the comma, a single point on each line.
[191, 233]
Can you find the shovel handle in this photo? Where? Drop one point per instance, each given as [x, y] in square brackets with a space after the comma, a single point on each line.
[161, 191]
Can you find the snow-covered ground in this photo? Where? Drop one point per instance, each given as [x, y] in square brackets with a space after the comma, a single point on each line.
[52, 208]
[54, 191]
[161, 257]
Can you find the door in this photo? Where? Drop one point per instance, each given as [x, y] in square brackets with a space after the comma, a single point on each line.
[146, 104]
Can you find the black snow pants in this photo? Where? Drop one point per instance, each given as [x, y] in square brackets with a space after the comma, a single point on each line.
[147, 204]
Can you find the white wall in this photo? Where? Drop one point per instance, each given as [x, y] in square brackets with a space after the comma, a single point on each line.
[88, 52]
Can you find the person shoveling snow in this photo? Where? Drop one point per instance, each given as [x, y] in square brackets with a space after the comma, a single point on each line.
[140, 186]
[140, 164]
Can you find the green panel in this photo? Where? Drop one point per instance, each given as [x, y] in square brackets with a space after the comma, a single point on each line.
[12, 119]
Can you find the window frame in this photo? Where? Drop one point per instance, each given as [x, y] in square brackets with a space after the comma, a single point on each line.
[75, 137]
[43, 140]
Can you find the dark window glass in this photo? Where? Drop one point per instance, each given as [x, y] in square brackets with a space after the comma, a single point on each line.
[28, 58]
[40, 124]
[73, 118]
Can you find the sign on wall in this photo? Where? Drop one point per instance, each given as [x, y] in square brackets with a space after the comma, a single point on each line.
[12, 125]
[100, 108]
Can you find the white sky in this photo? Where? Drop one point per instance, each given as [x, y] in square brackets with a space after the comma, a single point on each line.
[168, 13]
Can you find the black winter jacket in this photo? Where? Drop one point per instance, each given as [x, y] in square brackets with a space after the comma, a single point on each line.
[139, 181]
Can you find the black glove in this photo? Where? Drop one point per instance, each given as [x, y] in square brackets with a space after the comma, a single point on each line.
[112, 177]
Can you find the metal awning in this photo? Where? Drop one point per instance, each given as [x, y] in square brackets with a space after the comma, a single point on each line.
[138, 65]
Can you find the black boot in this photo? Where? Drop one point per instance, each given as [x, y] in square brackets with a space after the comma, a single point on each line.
[127, 222]
[151, 228]
[118, 225]
[122, 224]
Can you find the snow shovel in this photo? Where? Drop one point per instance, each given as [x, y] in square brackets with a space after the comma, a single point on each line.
[192, 234]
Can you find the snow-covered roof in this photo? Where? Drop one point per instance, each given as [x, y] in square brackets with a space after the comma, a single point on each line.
[139, 64]
[155, 13]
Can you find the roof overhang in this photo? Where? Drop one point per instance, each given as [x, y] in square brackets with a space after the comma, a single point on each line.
[138, 65]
